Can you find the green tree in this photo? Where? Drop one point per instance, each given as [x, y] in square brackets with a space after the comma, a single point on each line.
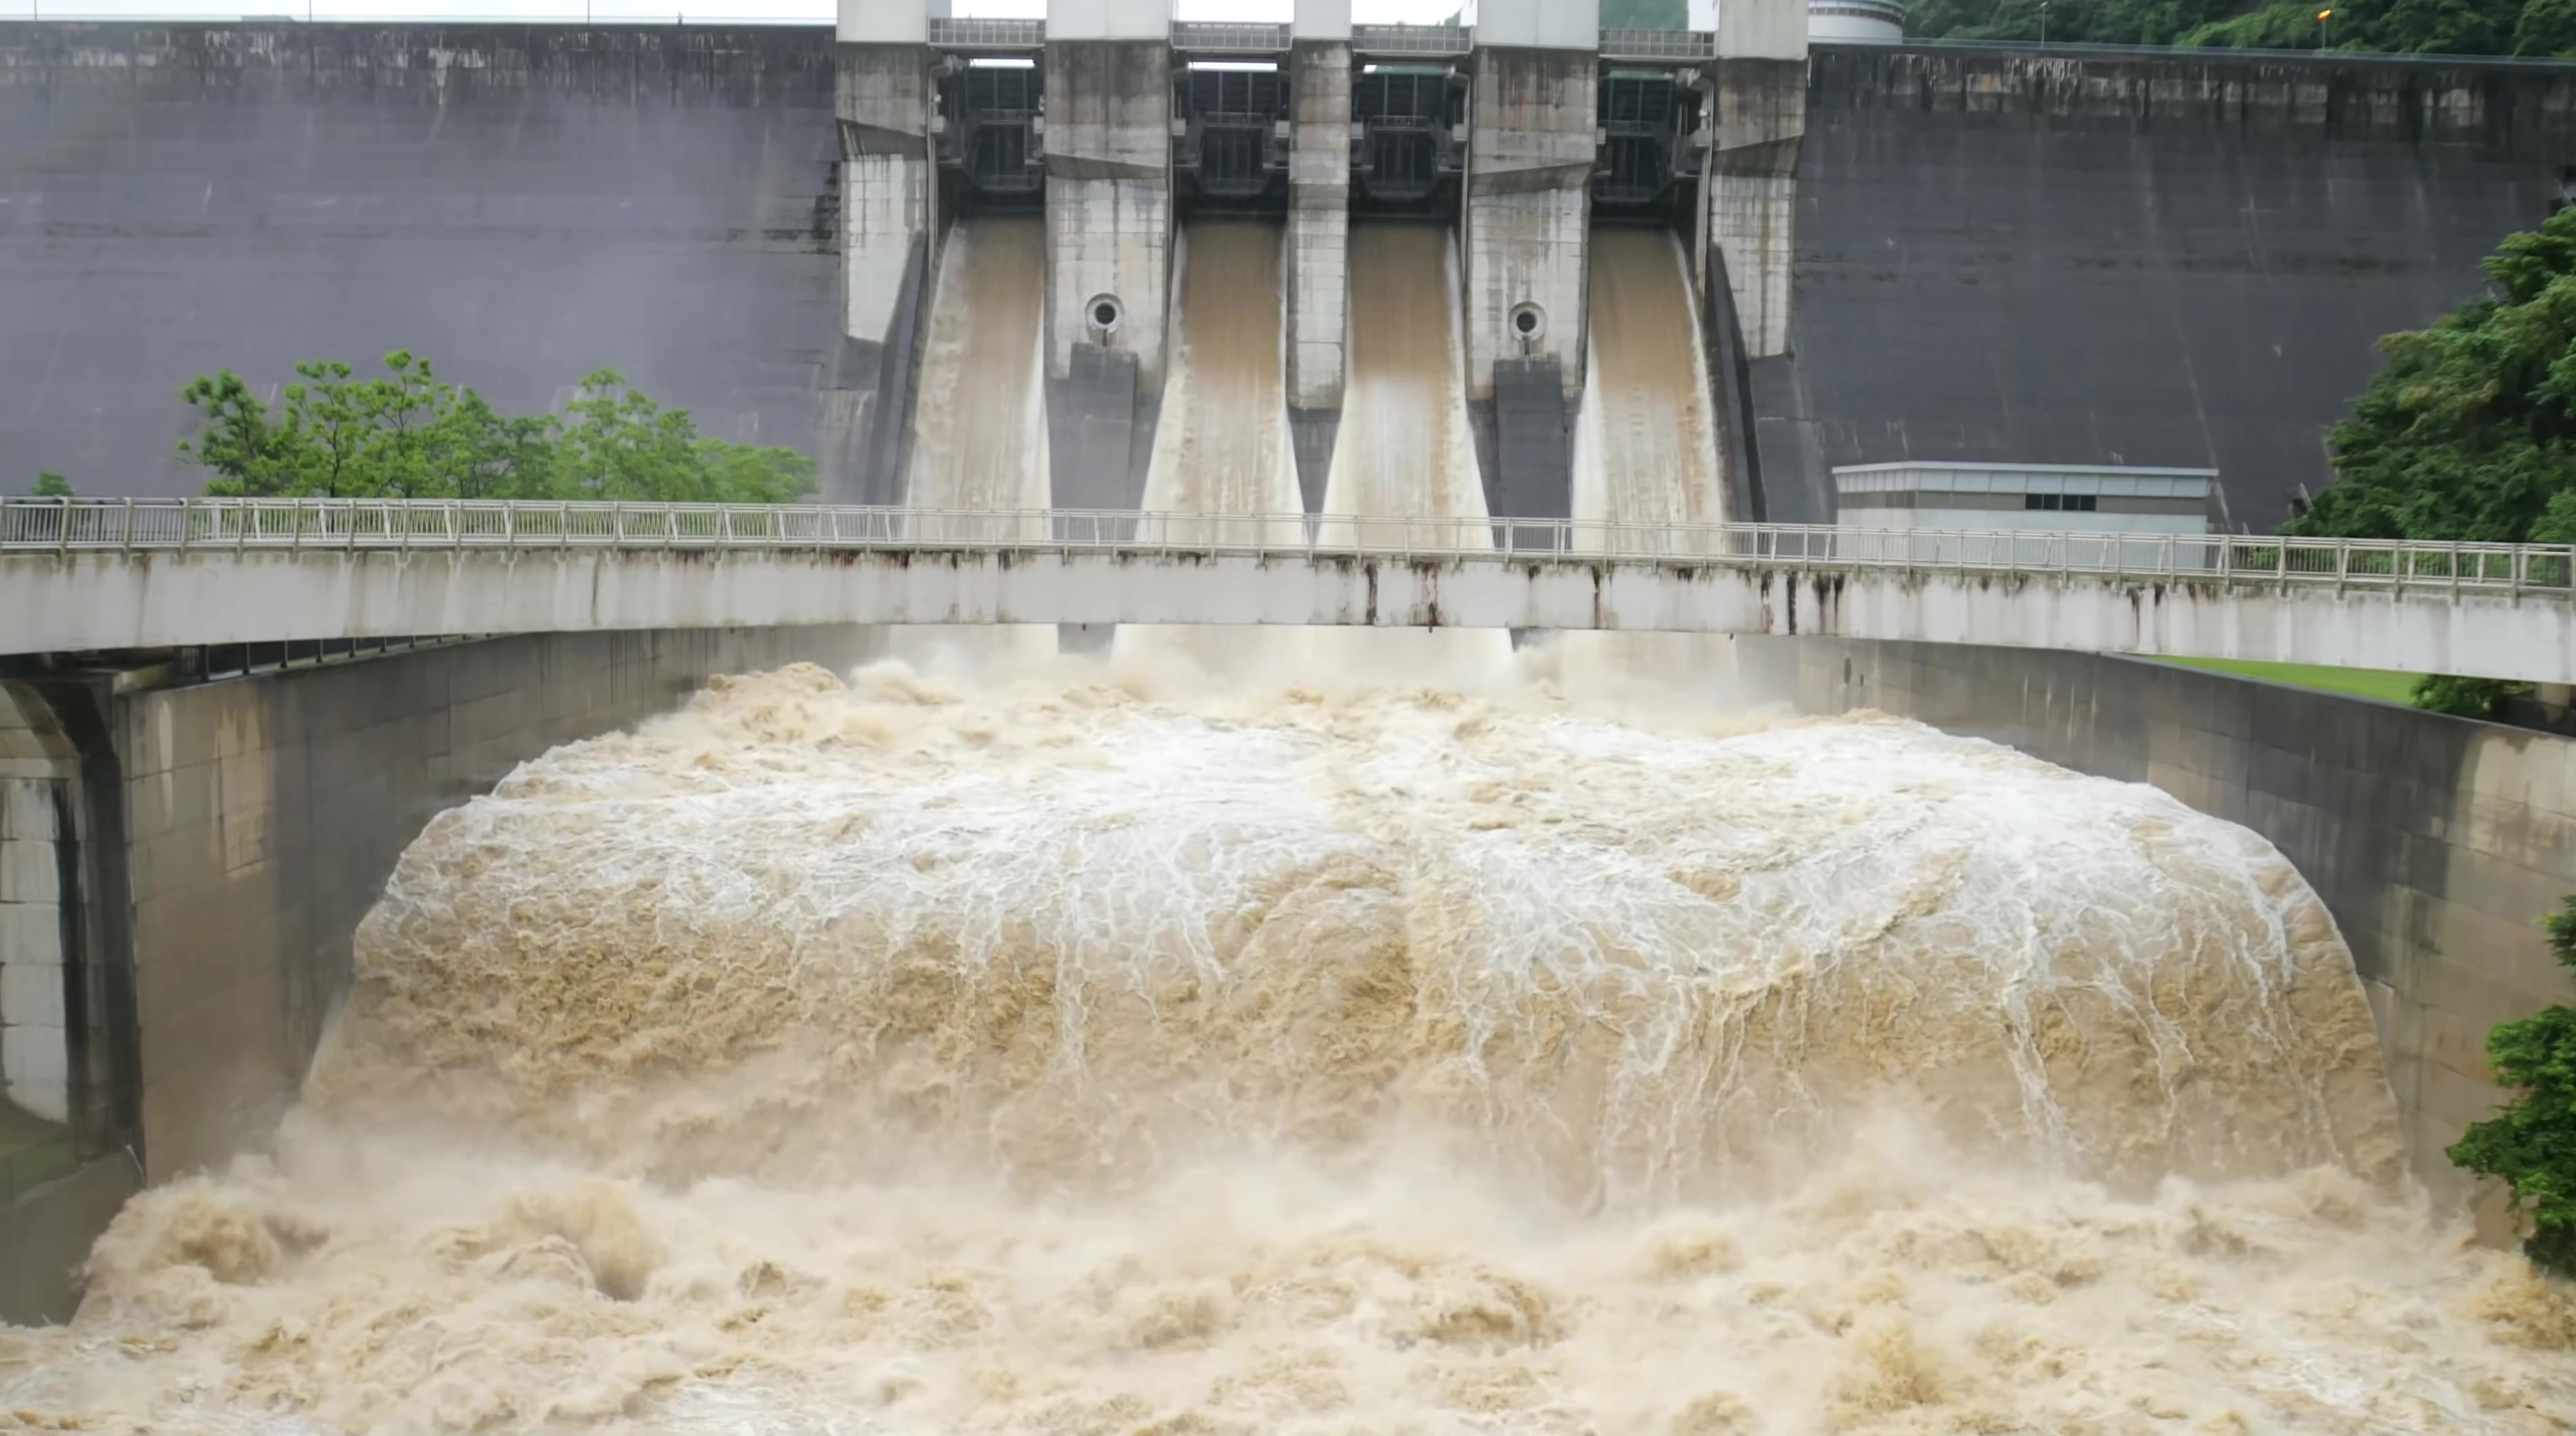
[409, 434]
[50, 485]
[2468, 431]
[2531, 1142]
[2456, 27]
[618, 444]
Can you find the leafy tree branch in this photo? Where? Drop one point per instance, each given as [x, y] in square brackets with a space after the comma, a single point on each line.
[410, 434]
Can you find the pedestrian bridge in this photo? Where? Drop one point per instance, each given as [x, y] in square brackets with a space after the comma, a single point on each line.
[101, 574]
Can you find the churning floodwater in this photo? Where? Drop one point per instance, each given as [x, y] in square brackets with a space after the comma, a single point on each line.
[1100, 1053]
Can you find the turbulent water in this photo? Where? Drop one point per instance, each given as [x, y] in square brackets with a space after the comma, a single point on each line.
[1099, 1054]
[979, 429]
[1645, 442]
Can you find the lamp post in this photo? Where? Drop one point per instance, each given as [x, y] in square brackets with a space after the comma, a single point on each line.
[2325, 28]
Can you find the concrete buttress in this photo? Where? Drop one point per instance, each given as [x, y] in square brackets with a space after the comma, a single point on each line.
[889, 199]
[1752, 170]
[1531, 151]
[1319, 235]
[1109, 242]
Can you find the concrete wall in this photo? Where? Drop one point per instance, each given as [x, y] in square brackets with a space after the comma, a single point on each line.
[2438, 843]
[2174, 258]
[35, 1054]
[521, 203]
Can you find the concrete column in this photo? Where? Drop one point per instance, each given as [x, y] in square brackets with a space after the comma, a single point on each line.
[35, 1042]
[1752, 170]
[1109, 241]
[1531, 149]
[1319, 233]
[889, 198]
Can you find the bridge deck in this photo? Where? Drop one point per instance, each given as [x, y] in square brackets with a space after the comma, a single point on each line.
[103, 574]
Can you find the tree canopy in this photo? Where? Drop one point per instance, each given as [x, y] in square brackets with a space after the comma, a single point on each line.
[2468, 431]
[2531, 1142]
[410, 434]
[2450, 27]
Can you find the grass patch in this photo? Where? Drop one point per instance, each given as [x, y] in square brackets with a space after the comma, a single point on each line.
[2376, 683]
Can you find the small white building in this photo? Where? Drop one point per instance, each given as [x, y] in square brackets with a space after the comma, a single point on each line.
[2014, 498]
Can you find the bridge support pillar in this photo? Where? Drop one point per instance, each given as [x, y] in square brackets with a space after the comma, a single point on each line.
[1528, 205]
[1319, 234]
[1109, 242]
[889, 196]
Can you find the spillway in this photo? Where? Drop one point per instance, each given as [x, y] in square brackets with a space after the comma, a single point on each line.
[1223, 444]
[901, 1056]
[1645, 443]
[1405, 447]
[979, 429]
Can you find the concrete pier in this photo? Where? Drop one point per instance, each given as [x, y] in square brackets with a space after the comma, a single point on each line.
[1527, 209]
[1319, 235]
[1751, 176]
[1109, 241]
[889, 200]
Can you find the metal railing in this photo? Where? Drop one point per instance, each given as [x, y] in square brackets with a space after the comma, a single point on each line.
[2421, 59]
[1658, 45]
[32, 528]
[1225, 37]
[988, 34]
[1411, 40]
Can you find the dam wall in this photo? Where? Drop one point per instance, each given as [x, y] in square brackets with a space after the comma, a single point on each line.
[1932, 253]
[521, 204]
[233, 834]
[2154, 257]
[2438, 843]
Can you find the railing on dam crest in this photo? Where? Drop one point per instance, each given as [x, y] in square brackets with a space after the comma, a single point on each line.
[31, 527]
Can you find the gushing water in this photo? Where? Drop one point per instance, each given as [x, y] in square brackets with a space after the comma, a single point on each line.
[1110, 1055]
[979, 429]
[1405, 449]
[1223, 445]
[1645, 443]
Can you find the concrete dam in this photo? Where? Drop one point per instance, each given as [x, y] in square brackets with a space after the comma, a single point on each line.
[1192, 1031]
[1929, 253]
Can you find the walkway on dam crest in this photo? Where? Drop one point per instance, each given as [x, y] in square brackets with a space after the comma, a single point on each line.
[99, 574]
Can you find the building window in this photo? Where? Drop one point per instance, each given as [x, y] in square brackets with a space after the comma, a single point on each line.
[2067, 503]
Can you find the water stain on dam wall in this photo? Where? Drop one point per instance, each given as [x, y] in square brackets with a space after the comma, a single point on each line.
[2138, 258]
[521, 204]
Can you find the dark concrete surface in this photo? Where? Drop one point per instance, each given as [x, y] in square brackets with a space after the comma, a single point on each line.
[521, 203]
[49, 1232]
[2178, 259]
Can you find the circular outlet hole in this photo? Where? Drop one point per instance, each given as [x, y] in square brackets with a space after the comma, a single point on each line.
[1529, 321]
[1106, 311]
